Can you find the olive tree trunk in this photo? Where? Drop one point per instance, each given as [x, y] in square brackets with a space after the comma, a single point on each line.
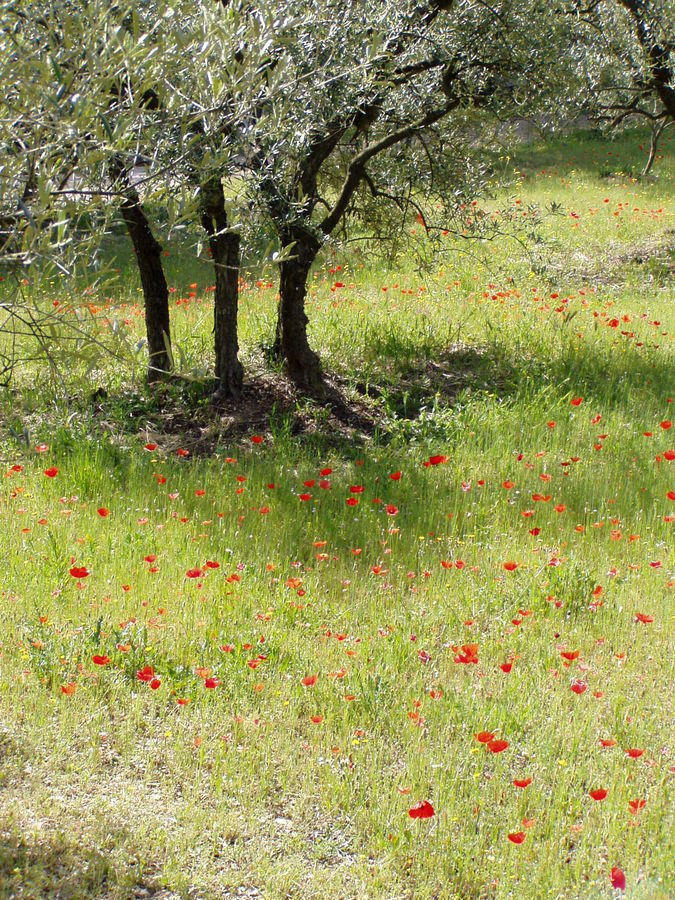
[225, 253]
[303, 364]
[148, 253]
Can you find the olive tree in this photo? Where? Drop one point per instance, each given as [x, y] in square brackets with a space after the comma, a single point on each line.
[369, 81]
[73, 117]
[99, 89]
[626, 56]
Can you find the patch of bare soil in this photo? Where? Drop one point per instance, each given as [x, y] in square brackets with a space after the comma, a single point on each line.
[269, 403]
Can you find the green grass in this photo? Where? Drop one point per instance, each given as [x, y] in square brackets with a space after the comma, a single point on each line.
[117, 789]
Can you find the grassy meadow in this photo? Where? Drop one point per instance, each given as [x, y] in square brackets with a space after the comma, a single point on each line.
[413, 643]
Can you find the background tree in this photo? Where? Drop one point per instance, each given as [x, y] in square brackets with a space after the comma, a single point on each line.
[626, 54]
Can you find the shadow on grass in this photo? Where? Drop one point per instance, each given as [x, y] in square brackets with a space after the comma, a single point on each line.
[615, 377]
[423, 379]
[54, 865]
[52, 868]
[368, 403]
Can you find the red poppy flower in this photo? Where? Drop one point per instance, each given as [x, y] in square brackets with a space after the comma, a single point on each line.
[194, 573]
[51, 473]
[211, 682]
[69, 688]
[607, 742]
[395, 476]
[100, 660]
[468, 654]
[317, 720]
[497, 745]
[80, 572]
[644, 618]
[636, 805]
[634, 753]
[436, 460]
[598, 794]
[511, 566]
[146, 674]
[421, 810]
[155, 683]
[103, 512]
[516, 837]
[522, 782]
[150, 446]
[257, 439]
[309, 680]
[576, 401]
[618, 879]
[304, 497]
[578, 687]
[484, 737]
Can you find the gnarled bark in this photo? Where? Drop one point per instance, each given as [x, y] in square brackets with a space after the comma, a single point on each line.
[155, 290]
[303, 364]
[225, 253]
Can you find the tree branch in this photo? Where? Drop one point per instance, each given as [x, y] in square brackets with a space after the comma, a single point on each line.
[356, 168]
